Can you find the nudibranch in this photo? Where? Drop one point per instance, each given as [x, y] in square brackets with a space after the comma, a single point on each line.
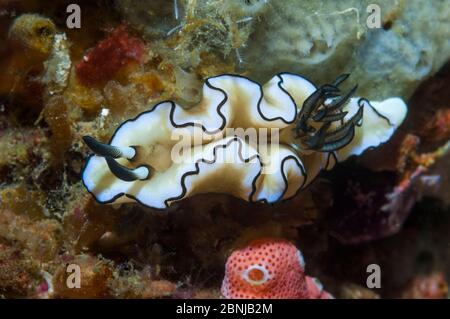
[259, 143]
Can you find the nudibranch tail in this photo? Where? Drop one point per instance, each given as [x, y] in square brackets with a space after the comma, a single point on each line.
[258, 143]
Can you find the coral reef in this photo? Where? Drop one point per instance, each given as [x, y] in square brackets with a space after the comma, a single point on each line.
[194, 28]
[313, 38]
[388, 206]
[318, 37]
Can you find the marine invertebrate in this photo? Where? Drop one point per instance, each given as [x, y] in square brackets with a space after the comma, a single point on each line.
[264, 143]
[189, 29]
[416, 176]
[103, 61]
[269, 268]
[37, 238]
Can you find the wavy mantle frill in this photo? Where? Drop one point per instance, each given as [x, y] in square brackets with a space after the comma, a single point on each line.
[268, 170]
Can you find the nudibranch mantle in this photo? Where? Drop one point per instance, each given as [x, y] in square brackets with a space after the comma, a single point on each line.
[146, 160]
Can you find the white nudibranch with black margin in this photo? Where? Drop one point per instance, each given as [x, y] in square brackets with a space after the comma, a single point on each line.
[317, 126]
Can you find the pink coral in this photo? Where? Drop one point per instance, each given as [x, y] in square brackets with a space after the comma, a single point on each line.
[104, 61]
[269, 268]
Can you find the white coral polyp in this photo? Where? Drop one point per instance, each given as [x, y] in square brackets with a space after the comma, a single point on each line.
[260, 271]
[231, 101]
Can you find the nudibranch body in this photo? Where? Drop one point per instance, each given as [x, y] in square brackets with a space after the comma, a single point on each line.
[258, 143]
